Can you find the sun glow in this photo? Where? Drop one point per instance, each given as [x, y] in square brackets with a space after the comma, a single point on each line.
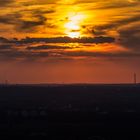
[72, 29]
[74, 34]
[73, 26]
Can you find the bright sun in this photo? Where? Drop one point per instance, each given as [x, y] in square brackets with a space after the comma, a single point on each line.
[72, 29]
[74, 34]
[73, 26]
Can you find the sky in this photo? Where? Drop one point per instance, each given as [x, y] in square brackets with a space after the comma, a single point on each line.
[69, 41]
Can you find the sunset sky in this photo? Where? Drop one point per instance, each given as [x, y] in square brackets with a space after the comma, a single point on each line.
[69, 41]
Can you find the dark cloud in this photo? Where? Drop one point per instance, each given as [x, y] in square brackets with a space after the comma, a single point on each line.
[9, 49]
[21, 55]
[40, 20]
[103, 29]
[127, 29]
[10, 18]
[36, 53]
[48, 47]
[40, 2]
[37, 18]
[30, 26]
[17, 55]
[101, 54]
[39, 11]
[82, 2]
[5, 47]
[130, 37]
[3, 40]
[117, 4]
[95, 40]
[103, 5]
[5, 2]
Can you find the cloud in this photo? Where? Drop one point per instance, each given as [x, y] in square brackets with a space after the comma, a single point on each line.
[49, 47]
[108, 21]
[34, 18]
[130, 37]
[5, 47]
[94, 40]
[5, 2]
[3, 40]
[117, 4]
[31, 49]
[31, 55]
[40, 2]
[105, 5]
[30, 26]
[101, 54]
[12, 19]
[127, 30]
[21, 55]
[103, 29]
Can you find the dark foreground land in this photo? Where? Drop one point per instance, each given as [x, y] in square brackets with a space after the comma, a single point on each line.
[70, 112]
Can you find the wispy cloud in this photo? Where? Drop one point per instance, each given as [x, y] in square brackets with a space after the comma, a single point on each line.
[100, 22]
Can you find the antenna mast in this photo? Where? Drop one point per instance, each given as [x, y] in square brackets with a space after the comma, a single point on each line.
[135, 78]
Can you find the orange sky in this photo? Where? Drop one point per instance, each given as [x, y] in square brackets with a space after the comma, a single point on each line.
[62, 41]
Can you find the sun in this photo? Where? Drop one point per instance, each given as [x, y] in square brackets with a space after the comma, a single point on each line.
[73, 34]
[73, 27]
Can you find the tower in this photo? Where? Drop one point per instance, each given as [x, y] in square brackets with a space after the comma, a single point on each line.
[135, 78]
